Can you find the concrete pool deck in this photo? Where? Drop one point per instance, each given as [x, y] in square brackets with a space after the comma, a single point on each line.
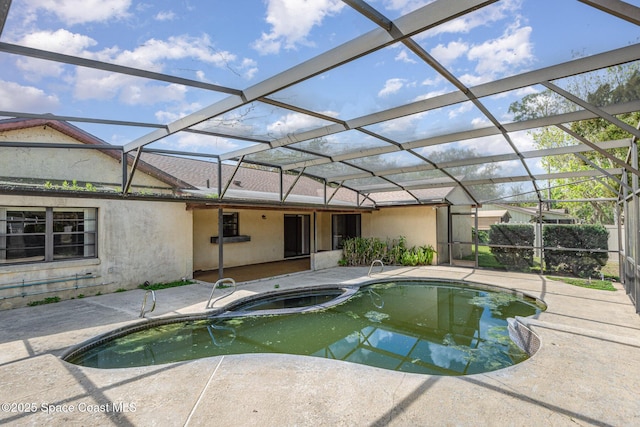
[587, 371]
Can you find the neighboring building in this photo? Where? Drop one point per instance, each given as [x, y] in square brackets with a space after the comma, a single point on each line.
[66, 229]
[526, 215]
[486, 218]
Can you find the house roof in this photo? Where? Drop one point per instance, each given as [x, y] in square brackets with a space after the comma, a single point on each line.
[88, 139]
[199, 178]
[492, 213]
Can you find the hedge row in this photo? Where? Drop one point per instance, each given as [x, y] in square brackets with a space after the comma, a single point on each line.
[565, 243]
[577, 262]
[513, 235]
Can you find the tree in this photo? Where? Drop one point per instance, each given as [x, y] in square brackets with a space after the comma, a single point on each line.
[615, 86]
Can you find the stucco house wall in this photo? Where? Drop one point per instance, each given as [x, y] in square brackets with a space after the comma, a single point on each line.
[138, 241]
[323, 220]
[416, 223]
[267, 237]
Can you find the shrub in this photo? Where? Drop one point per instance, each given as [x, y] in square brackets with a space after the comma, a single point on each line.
[363, 251]
[577, 262]
[513, 235]
[483, 236]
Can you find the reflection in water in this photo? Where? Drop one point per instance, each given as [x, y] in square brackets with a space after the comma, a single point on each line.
[419, 327]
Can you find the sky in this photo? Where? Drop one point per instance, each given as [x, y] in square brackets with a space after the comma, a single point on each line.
[241, 43]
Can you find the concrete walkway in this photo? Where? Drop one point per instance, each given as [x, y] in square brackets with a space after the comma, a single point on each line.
[585, 373]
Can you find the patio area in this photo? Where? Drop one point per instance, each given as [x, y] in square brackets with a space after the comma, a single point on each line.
[585, 372]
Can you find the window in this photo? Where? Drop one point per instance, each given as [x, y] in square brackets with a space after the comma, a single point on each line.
[344, 226]
[230, 230]
[230, 224]
[47, 234]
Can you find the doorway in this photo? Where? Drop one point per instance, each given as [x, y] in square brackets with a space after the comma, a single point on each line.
[297, 240]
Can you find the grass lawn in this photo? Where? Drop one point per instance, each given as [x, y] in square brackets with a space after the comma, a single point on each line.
[610, 271]
[603, 285]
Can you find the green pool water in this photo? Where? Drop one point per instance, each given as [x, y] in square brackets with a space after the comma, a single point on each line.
[420, 327]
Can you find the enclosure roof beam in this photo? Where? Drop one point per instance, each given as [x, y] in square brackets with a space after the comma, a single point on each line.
[578, 148]
[605, 173]
[49, 116]
[476, 133]
[595, 110]
[426, 17]
[499, 180]
[600, 150]
[5, 5]
[105, 66]
[235, 170]
[617, 8]
[577, 66]
[295, 181]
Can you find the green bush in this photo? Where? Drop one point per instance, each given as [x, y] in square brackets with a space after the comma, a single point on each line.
[578, 263]
[513, 235]
[359, 251]
[483, 236]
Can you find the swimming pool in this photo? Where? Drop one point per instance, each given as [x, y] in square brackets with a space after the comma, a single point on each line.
[415, 326]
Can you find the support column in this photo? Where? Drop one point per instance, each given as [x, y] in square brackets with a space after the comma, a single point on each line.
[635, 227]
[476, 236]
[220, 227]
[220, 244]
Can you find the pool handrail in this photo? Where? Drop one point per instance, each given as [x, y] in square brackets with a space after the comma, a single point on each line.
[144, 302]
[212, 301]
[377, 261]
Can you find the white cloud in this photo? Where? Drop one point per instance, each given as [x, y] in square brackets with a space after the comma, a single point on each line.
[504, 54]
[164, 116]
[101, 85]
[501, 56]
[480, 122]
[195, 142]
[141, 94]
[449, 53]
[15, 97]
[165, 16]
[82, 11]
[61, 41]
[463, 108]
[523, 141]
[151, 55]
[403, 125]
[391, 86]
[295, 122]
[486, 145]
[471, 80]
[403, 56]
[249, 68]
[291, 22]
[405, 6]
[429, 95]
[432, 82]
[485, 16]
